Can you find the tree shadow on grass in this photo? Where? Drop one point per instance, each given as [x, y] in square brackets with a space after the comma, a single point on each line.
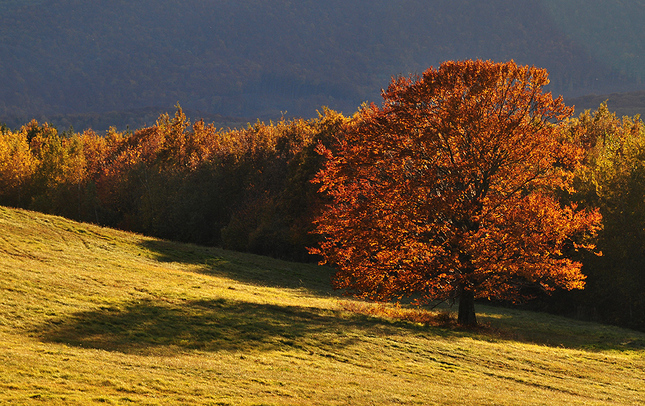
[154, 327]
[246, 268]
[162, 327]
[253, 269]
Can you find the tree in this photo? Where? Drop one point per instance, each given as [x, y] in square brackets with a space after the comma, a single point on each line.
[613, 179]
[449, 190]
[16, 166]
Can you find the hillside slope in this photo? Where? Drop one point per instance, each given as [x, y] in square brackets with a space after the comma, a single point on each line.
[265, 58]
[623, 104]
[90, 315]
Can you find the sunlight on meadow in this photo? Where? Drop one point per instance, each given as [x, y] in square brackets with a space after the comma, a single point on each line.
[100, 316]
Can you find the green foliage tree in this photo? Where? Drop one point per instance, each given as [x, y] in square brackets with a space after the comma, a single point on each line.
[613, 179]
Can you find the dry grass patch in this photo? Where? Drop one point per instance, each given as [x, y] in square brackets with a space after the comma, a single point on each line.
[422, 316]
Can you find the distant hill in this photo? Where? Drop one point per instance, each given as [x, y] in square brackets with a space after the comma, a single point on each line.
[264, 59]
[623, 104]
[124, 120]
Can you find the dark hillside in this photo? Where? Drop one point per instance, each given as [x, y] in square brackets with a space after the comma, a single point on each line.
[623, 104]
[262, 58]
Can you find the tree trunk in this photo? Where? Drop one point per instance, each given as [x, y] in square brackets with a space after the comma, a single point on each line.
[466, 308]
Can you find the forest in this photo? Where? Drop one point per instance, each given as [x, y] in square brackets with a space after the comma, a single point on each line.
[250, 189]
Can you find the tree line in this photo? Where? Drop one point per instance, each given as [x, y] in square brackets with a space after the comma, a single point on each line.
[251, 190]
[243, 189]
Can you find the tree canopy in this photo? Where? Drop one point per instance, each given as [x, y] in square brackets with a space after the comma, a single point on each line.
[450, 189]
[613, 179]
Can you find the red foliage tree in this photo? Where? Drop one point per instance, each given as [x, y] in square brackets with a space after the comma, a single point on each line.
[449, 190]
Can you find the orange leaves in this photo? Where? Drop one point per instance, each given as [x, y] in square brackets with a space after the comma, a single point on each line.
[533, 239]
[450, 184]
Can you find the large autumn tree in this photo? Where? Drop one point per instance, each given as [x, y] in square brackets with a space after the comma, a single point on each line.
[449, 190]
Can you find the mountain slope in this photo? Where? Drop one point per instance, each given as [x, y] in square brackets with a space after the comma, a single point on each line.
[91, 315]
[265, 58]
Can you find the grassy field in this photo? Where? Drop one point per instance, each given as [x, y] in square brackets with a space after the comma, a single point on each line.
[90, 315]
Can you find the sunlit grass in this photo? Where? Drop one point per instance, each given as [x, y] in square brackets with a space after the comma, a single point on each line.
[94, 316]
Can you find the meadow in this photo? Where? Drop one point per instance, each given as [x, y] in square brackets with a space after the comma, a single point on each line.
[90, 315]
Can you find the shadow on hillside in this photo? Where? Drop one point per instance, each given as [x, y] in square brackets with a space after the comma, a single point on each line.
[244, 267]
[159, 327]
[231, 325]
[164, 327]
